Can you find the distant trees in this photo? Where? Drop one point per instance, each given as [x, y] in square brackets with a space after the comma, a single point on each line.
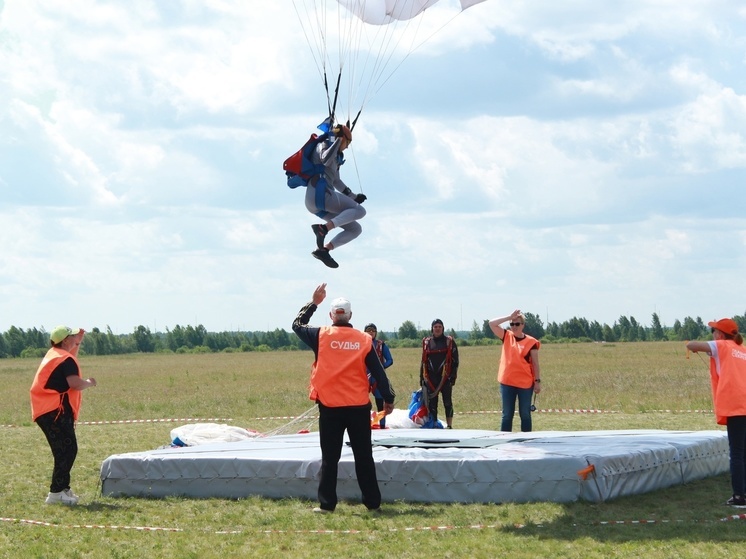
[656, 330]
[407, 330]
[34, 342]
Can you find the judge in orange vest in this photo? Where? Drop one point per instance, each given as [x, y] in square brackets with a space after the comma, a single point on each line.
[519, 374]
[728, 380]
[55, 404]
[340, 387]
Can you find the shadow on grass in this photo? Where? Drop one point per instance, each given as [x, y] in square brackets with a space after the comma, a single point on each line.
[97, 506]
[694, 512]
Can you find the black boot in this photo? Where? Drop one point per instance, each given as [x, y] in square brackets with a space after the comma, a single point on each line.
[320, 230]
[323, 255]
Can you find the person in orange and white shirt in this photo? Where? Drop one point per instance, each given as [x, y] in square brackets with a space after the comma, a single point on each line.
[519, 374]
[55, 405]
[728, 380]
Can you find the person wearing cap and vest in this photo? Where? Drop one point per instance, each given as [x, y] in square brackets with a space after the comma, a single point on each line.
[438, 371]
[329, 198]
[728, 382]
[55, 405]
[340, 387]
[519, 373]
[384, 356]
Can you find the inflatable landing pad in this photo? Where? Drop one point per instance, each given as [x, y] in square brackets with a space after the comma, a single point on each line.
[464, 466]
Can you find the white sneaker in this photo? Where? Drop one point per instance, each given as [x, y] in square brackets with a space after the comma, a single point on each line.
[62, 498]
[69, 493]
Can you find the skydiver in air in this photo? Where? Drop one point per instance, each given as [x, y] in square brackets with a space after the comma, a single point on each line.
[339, 206]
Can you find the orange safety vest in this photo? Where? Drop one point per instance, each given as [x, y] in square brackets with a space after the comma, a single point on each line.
[516, 368]
[339, 376]
[44, 400]
[728, 379]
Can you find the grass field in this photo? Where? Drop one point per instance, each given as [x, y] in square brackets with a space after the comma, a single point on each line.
[646, 385]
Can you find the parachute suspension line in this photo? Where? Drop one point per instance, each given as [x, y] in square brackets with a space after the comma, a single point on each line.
[357, 169]
[314, 41]
[304, 420]
[350, 30]
[389, 40]
[333, 108]
[313, 22]
[354, 122]
[416, 47]
[364, 69]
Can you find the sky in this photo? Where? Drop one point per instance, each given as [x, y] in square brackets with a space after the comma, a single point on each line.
[566, 158]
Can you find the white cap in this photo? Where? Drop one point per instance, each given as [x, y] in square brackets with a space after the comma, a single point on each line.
[341, 309]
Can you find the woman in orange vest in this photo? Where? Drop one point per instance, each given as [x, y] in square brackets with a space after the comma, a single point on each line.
[519, 374]
[340, 387]
[728, 380]
[55, 404]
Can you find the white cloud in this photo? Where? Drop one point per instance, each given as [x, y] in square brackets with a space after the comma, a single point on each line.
[591, 167]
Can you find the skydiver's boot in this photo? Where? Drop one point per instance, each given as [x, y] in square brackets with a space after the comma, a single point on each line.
[323, 255]
[320, 230]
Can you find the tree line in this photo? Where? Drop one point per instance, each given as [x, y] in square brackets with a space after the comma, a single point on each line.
[34, 342]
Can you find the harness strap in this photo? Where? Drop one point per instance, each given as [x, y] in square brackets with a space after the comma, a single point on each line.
[426, 351]
[320, 197]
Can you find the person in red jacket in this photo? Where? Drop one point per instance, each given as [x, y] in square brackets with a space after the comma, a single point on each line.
[728, 380]
[519, 374]
[55, 405]
[340, 387]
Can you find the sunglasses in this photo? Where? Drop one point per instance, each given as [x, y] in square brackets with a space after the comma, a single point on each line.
[516, 323]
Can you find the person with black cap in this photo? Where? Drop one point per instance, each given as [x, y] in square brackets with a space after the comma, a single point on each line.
[438, 371]
[384, 355]
[728, 381]
[340, 387]
[55, 404]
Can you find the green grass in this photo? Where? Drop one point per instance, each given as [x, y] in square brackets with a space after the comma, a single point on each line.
[637, 382]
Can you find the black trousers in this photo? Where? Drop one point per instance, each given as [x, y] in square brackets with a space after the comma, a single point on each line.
[60, 434]
[737, 444]
[332, 424]
[446, 392]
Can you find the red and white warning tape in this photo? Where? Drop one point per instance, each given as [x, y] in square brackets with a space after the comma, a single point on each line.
[291, 417]
[95, 526]
[405, 529]
[124, 421]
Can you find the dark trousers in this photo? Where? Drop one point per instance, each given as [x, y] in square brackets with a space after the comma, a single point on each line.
[332, 424]
[60, 434]
[509, 395]
[737, 444]
[432, 403]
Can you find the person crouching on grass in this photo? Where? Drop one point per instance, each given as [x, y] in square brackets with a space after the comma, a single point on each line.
[728, 380]
[55, 404]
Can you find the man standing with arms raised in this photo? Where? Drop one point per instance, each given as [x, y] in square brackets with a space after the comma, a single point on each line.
[339, 385]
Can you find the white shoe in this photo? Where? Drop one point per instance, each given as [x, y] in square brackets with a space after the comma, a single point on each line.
[62, 498]
[69, 493]
[319, 510]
